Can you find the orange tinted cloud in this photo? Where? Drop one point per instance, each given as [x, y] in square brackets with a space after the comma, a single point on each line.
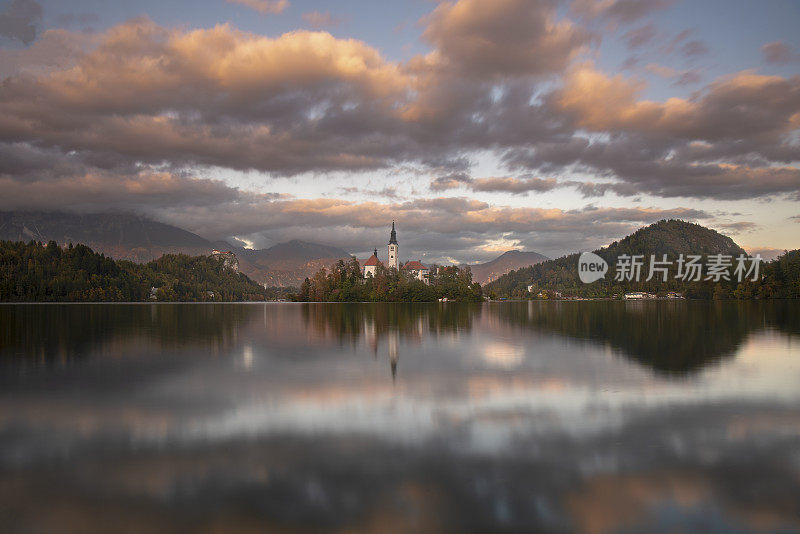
[735, 106]
[504, 37]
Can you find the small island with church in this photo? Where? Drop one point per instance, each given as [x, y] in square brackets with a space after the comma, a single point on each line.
[412, 281]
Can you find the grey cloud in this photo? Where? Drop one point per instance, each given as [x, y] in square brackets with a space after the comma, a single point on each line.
[143, 98]
[734, 139]
[20, 19]
[630, 62]
[619, 11]
[386, 192]
[638, 37]
[739, 227]
[766, 253]
[494, 184]
[514, 185]
[642, 164]
[56, 49]
[490, 39]
[35, 178]
[779, 52]
[144, 191]
[451, 181]
[684, 46]
[679, 77]
[694, 49]
[688, 77]
[628, 11]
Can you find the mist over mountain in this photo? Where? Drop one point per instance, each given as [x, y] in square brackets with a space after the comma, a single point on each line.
[296, 250]
[120, 235]
[483, 273]
[288, 264]
[134, 237]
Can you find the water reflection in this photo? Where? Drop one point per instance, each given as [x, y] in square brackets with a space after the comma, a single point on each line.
[61, 333]
[673, 338]
[558, 417]
[668, 337]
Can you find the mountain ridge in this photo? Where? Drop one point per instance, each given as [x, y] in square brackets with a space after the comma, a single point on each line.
[129, 236]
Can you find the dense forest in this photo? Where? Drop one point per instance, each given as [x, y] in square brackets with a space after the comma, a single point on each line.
[778, 279]
[33, 272]
[344, 283]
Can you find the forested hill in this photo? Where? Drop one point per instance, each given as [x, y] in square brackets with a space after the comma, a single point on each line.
[671, 237]
[32, 272]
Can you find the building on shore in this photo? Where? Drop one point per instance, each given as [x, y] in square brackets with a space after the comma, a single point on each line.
[639, 295]
[371, 265]
[417, 270]
[413, 267]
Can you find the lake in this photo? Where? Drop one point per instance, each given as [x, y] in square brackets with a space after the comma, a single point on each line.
[588, 417]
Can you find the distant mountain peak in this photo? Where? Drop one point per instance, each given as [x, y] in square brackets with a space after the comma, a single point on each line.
[509, 260]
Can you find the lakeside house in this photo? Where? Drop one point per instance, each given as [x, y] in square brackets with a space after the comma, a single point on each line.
[639, 295]
[371, 265]
[417, 270]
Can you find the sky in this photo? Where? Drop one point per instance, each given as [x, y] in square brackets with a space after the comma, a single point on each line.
[479, 127]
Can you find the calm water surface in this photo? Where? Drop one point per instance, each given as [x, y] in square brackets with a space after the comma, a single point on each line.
[559, 417]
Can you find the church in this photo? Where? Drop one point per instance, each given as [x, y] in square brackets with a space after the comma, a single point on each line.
[416, 268]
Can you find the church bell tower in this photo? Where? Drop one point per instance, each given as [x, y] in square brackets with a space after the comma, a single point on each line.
[394, 249]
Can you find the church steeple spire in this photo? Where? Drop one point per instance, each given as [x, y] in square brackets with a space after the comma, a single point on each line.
[394, 249]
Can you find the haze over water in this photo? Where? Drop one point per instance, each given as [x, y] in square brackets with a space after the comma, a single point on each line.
[549, 416]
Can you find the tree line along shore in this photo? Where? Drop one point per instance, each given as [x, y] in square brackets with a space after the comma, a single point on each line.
[36, 272]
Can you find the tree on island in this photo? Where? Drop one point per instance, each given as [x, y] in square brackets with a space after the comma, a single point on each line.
[344, 283]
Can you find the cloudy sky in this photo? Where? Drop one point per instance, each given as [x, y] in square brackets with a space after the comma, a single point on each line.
[478, 126]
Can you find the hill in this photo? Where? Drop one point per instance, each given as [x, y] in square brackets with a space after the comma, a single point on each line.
[33, 272]
[671, 237]
[139, 239]
[288, 264]
[483, 273]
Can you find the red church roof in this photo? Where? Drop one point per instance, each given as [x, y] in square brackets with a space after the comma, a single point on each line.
[373, 260]
[414, 266]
